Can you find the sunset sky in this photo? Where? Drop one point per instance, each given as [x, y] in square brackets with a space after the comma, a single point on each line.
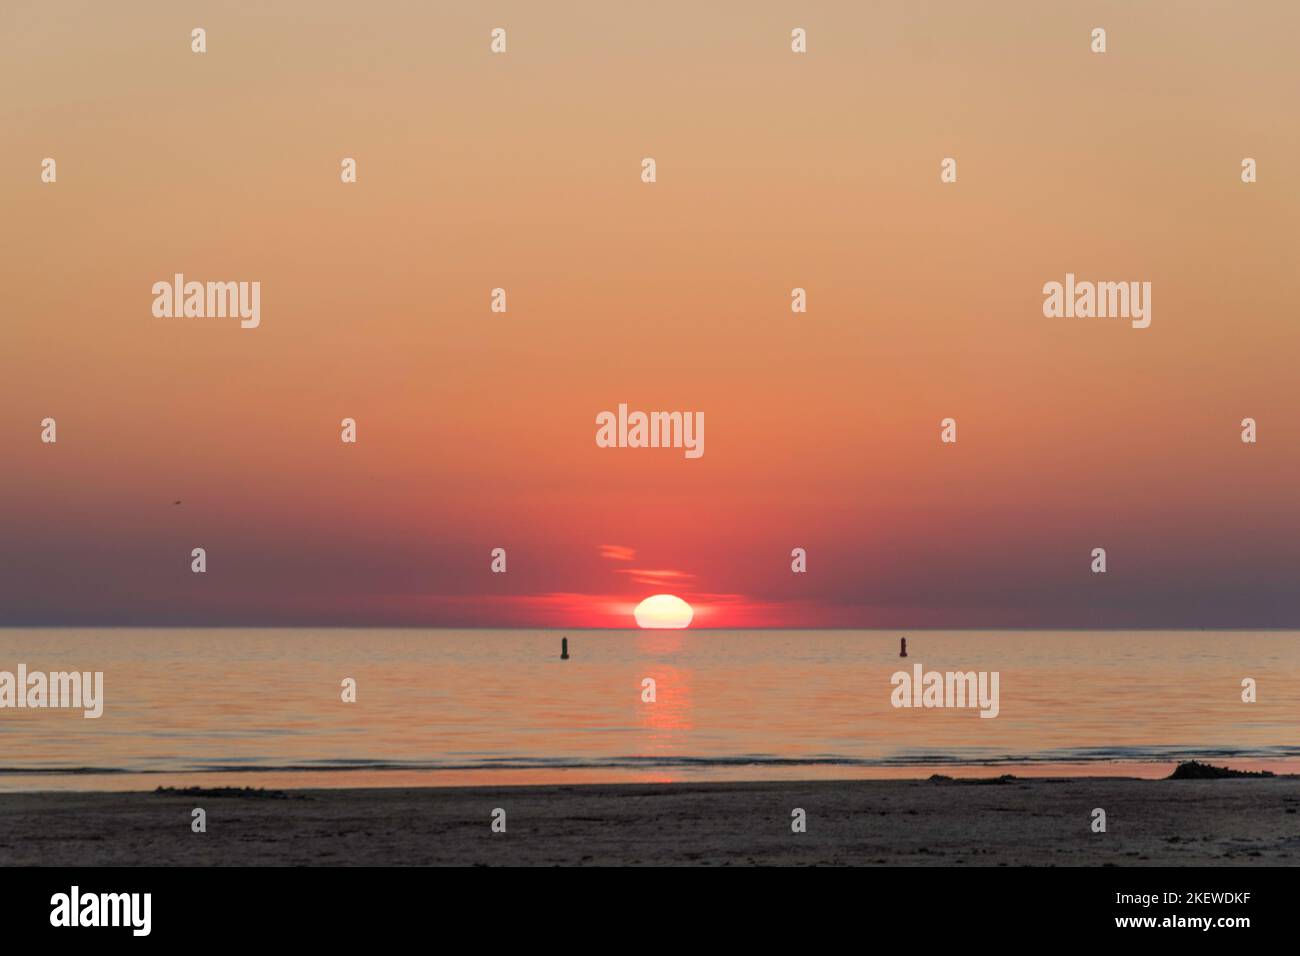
[476, 430]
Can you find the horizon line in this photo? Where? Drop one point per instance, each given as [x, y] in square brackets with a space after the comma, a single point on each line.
[633, 627]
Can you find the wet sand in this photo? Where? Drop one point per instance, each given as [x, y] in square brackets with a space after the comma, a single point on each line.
[861, 822]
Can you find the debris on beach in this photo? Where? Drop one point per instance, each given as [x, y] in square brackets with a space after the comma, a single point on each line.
[974, 781]
[246, 793]
[1194, 770]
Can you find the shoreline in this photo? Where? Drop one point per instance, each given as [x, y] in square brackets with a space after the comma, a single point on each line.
[985, 821]
[101, 780]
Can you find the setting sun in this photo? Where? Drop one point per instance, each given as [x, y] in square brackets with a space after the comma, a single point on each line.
[663, 611]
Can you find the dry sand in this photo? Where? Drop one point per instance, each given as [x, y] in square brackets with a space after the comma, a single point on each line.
[907, 822]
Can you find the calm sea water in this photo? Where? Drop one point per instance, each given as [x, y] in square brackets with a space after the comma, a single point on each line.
[457, 707]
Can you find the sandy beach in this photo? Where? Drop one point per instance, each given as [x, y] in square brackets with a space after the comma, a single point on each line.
[988, 822]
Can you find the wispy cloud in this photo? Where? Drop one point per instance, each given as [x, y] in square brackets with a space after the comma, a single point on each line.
[657, 577]
[617, 552]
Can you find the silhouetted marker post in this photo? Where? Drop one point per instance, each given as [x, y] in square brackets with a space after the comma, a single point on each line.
[564, 648]
[902, 651]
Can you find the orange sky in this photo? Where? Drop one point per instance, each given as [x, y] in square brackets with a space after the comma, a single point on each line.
[775, 170]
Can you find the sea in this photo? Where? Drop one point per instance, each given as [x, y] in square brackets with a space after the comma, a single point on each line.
[267, 707]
